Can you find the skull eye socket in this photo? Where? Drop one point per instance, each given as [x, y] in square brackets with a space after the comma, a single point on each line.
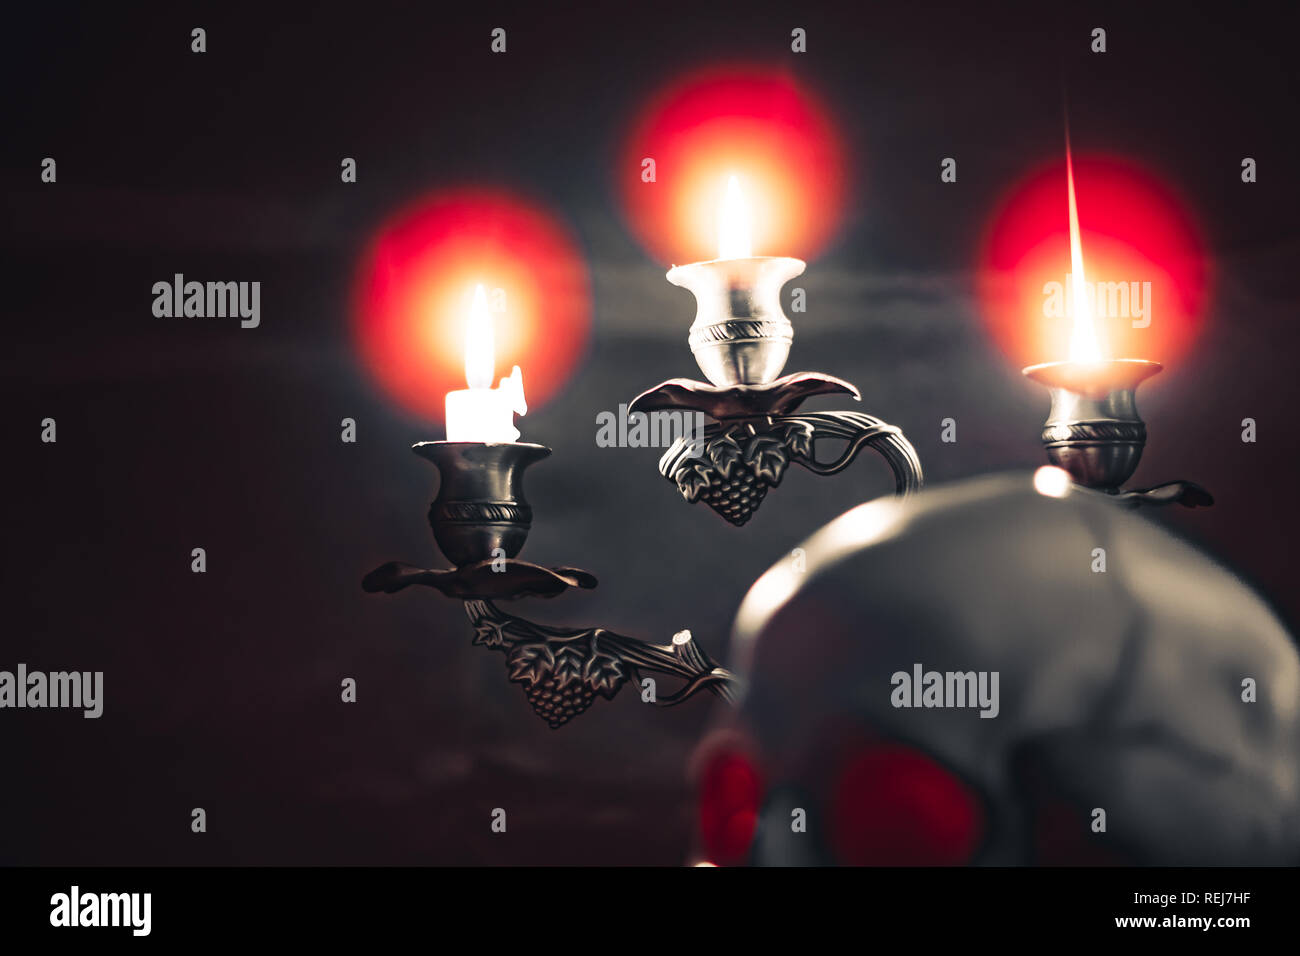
[892, 805]
[730, 792]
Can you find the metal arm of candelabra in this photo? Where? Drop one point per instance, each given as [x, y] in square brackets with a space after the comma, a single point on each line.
[562, 670]
[755, 437]
[480, 521]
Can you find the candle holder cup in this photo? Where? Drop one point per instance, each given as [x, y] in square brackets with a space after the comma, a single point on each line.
[741, 335]
[1093, 430]
[480, 511]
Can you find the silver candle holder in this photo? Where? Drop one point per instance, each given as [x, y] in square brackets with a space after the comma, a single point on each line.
[741, 335]
[480, 521]
[741, 339]
[480, 511]
[1093, 430]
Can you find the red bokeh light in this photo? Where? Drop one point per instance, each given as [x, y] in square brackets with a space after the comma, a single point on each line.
[414, 286]
[1133, 229]
[756, 124]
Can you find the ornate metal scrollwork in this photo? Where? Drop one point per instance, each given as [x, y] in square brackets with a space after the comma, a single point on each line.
[480, 521]
[732, 469]
[563, 670]
[756, 437]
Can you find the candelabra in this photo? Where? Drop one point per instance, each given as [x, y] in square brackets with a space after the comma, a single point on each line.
[480, 520]
[740, 338]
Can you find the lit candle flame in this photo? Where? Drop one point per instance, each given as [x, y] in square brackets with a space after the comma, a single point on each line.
[480, 345]
[734, 228]
[1084, 344]
[482, 413]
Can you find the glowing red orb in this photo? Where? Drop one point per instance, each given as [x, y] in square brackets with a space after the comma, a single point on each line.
[758, 125]
[417, 278]
[1144, 260]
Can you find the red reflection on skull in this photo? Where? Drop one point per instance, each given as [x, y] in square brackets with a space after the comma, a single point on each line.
[892, 805]
[730, 794]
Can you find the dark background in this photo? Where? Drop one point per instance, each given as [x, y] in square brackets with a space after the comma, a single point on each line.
[222, 689]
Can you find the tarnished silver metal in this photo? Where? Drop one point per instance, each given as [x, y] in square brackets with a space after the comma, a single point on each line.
[479, 508]
[1094, 432]
[741, 335]
[741, 338]
[756, 436]
[563, 669]
[480, 505]
[743, 458]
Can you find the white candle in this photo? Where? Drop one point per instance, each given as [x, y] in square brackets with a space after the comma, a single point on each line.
[482, 413]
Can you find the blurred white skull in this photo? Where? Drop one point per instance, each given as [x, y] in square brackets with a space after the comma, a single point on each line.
[1125, 725]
